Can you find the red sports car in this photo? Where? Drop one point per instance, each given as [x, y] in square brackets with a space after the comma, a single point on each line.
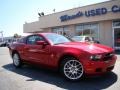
[73, 59]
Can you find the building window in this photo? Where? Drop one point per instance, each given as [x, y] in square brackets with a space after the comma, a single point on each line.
[58, 30]
[62, 31]
[79, 30]
[88, 30]
[116, 23]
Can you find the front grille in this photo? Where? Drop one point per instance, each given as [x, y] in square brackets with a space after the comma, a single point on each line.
[108, 56]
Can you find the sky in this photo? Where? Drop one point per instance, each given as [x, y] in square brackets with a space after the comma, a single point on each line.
[14, 13]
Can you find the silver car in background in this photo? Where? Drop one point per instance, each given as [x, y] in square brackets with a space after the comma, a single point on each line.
[84, 39]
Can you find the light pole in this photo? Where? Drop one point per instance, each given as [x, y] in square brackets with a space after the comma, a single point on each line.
[1, 34]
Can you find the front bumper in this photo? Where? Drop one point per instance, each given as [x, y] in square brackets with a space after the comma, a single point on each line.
[99, 67]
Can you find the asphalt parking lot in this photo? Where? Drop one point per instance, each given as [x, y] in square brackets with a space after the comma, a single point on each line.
[32, 78]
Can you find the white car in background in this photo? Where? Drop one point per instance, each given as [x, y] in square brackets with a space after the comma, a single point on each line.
[84, 39]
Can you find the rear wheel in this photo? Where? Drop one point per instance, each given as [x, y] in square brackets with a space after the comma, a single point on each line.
[16, 60]
[72, 69]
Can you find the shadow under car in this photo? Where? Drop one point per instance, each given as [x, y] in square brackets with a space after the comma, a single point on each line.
[53, 77]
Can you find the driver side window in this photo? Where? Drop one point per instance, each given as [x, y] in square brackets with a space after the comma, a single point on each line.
[32, 39]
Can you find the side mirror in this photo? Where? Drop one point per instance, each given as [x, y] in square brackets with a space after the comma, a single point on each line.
[41, 43]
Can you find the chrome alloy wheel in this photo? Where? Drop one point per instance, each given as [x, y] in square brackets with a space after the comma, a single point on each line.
[73, 69]
[16, 60]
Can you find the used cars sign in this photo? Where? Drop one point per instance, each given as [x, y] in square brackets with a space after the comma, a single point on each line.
[90, 13]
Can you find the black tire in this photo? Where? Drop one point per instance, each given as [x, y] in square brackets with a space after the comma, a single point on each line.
[71, 71]
[16, 60]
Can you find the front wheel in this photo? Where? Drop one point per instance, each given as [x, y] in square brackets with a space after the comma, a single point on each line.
[72, 69]
[16, 60]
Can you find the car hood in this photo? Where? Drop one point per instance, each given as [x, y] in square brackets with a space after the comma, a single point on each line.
[92, 48]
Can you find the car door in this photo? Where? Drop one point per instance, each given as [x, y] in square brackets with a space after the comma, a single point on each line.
[38, 54]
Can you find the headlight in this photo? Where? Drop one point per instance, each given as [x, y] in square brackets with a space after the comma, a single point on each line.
[96, 57]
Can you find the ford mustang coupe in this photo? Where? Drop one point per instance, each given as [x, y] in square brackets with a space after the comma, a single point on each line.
[73, 59]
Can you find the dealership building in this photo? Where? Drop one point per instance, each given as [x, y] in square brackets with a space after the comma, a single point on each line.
[101, 21]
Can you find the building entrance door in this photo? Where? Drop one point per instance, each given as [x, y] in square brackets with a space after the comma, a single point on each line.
[65, 31]
[60, 32]
[117, 38]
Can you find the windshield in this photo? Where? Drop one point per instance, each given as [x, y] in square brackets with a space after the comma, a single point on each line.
[57, 39]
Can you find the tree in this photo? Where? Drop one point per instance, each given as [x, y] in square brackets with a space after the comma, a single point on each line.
[16, 35]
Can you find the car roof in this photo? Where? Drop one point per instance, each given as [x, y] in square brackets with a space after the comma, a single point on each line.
[42, 33]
